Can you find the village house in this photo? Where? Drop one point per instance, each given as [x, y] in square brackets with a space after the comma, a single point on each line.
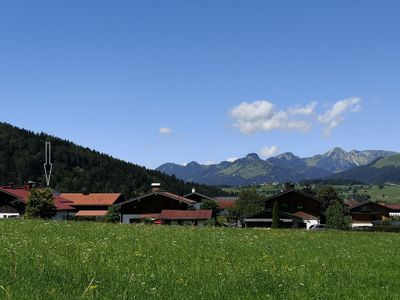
[13, 200]
[225, 204]
[91, 205]
[296, 210]
[365, 213]
[136, 209]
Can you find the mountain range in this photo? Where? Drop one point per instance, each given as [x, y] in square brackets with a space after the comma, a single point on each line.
[284, 167]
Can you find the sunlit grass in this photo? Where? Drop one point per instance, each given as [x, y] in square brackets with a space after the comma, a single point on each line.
[55, 260]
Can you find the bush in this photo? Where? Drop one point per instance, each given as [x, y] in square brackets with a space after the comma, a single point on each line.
[113, 214]
[40, 204]
[335, 216]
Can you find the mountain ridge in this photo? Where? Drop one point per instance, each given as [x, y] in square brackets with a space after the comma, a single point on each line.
[283, 167]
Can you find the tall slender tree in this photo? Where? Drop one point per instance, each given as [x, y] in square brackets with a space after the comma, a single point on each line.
[275, 215]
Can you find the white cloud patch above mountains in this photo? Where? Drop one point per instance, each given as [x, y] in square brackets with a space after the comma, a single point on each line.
[335, 116]
[269, 151]
[263, 115]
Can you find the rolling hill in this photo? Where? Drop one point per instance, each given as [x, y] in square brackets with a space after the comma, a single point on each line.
[77, 168]
[383, 170]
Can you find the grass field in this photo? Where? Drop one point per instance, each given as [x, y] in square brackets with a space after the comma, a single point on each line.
[389, 194]
[57, 260]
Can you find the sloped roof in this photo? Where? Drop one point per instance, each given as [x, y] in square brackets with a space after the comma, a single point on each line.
[394, 206]
[370, 202]
[162, 193]
[305, 216]
[22, 194]
[351, 203]
[292, 191]
[95, 199]
[224, 204]
[202, 214]
[199, 195]
[91, 213]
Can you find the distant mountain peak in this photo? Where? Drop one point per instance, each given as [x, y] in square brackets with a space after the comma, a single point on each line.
[336, 150]
[193, 164]
[287, 156]
[253, 156]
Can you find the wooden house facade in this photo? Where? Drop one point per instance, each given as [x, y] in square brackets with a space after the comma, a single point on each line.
[296, 210]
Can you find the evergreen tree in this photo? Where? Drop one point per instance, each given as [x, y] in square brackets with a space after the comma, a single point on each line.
[40, 204]
[275, 215]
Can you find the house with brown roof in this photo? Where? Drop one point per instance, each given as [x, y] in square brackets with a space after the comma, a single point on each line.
[134, 210]
[296, 210]
[365, 213]
[13, 200]
[92, 205]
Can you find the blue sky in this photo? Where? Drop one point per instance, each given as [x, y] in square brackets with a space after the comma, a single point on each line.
[222, 78]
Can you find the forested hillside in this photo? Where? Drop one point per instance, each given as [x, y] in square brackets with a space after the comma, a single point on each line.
[77, 168]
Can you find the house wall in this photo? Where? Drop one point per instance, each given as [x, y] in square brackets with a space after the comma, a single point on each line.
[293, 202]
[361, 224]
[9, 215]
[154, 203]
[60, 215]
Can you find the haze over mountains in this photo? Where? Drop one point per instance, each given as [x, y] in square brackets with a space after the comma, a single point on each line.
[284, 167]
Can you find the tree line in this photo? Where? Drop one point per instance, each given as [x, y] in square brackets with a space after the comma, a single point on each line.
[79, 169]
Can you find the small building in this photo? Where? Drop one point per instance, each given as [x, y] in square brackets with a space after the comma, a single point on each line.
[134, 210]
[91, 205]
[226, 203]
[365, 213]
[186, 217]
[296, 210]
[13, 200]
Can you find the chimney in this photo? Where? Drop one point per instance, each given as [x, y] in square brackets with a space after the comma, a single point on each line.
[193, 190]
[155, 187]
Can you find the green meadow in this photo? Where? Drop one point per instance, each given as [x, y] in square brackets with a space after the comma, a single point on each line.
[73, 260]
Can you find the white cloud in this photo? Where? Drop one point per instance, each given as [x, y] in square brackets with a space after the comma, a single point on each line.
[165, 130]
[263, 116]
[232, 159]
[209, 162]
[334, 116]
[307, 110]
[269, 151]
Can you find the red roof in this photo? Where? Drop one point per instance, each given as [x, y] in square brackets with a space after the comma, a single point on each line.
[351, 203]
[22, 193]
[224, 204]
[202, 214]
[91, 213]
[149, 216]
[393, 206]
[305, 216]
[92, 199]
